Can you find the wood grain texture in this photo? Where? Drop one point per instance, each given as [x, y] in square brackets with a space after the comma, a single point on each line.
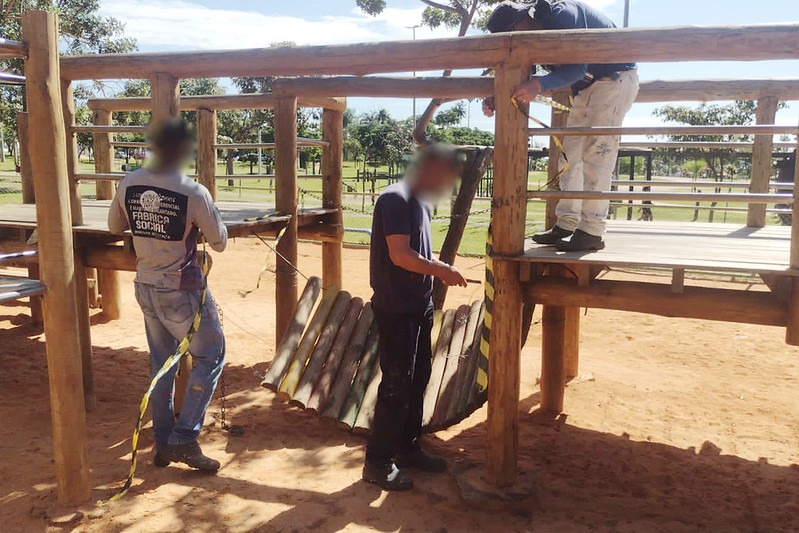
[295, 368]
[317, 392]
[509, 208]
[291, 340]
[447, 393]
[709, 43]
[68, 107]
[26, 175]
[310, 374]
[349, 411]
[332, 161]
[206, 153]
[48, 151]
[286, 204]
[762, 162]
[227, 102]
[349, 365]
[440, 350]
[165, 90]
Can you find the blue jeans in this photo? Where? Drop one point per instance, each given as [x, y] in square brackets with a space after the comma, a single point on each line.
[168, 314]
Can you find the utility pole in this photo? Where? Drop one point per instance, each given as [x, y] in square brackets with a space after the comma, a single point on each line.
[626, 13]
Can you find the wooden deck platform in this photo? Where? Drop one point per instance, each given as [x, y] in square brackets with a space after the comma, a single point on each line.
[682, 245]
[241, 218]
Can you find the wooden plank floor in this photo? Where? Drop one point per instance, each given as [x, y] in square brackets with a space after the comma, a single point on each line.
[236, 215]
[693, 246]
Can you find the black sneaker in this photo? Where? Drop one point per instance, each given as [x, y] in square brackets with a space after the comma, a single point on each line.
[581, 242]
[387, 477]
[552, 236]
[159, 460]
[189, 454]
[422, 461]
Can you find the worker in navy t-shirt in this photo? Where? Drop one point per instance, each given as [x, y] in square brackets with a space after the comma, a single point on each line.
[402, 269]
[603, 94]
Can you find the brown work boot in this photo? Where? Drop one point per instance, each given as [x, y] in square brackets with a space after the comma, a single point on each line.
[190, 454]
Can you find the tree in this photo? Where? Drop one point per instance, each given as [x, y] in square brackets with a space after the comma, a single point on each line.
[82, 30]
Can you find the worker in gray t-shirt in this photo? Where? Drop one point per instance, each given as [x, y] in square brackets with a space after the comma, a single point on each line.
[165, 211]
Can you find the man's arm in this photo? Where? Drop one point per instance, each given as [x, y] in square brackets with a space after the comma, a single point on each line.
[210, 222]
[117, 217]
[404, 257]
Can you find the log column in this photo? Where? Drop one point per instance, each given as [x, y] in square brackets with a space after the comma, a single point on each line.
[107, 280]
[48, 153]
[165, 89]
[509, 209]
[286, 203]
[571, 318]
[28, 197]
[332, 161]
[81, 285]
[206, 151]
[761, 160]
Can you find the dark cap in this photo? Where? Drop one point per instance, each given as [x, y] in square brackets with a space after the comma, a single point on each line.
[507, 14]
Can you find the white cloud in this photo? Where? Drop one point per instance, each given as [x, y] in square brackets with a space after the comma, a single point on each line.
[186, 25]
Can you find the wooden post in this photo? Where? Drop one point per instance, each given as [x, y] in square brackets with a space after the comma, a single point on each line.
[509, 213]
[103, 154]
[286, 203]
[206, 152]
[48, 152]
[761, 160]
[332, 160]
[81, 284]
[571, 339]
[165, 89]
[553, 358]
[107, 279]
[28, 194]
[68, 103]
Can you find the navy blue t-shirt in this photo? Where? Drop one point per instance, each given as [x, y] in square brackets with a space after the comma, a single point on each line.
[575, 15]
[397, 290]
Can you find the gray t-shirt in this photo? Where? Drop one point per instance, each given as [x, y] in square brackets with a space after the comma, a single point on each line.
[165, 212]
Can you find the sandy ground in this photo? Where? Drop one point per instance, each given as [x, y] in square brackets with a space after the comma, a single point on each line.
[675, 426]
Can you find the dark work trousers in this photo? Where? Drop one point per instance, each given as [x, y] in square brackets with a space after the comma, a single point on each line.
[406, 357]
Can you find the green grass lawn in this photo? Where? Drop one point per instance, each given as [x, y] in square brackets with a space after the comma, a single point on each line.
[358, 207]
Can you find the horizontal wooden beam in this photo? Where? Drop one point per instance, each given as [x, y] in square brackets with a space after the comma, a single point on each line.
[215, 103]
[302, 142]
[387, 87]
[110, 258]
[711, 43]
[589, 131]
[109, 129]
[10, 49]
[696, 184]
[713, 90]
[748, 198]
[702, 303]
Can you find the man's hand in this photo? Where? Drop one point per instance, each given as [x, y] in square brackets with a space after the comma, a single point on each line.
[450, 276]
[527, 91]
[488, 106]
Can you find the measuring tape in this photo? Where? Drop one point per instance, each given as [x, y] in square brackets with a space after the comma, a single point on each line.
[174, 359]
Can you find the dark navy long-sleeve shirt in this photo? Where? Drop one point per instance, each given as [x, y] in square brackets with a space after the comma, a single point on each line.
[575, 15]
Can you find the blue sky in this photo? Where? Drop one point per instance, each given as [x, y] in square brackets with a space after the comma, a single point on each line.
[218, 24]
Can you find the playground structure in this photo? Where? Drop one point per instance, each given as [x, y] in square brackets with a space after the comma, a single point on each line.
[563, 284]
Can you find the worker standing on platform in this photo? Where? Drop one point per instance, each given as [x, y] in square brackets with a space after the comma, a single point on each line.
[603, 94]
[402, 270]
[165, 210]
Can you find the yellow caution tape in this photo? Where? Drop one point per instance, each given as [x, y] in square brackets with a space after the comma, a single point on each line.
[558, 143]
[485, 335]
